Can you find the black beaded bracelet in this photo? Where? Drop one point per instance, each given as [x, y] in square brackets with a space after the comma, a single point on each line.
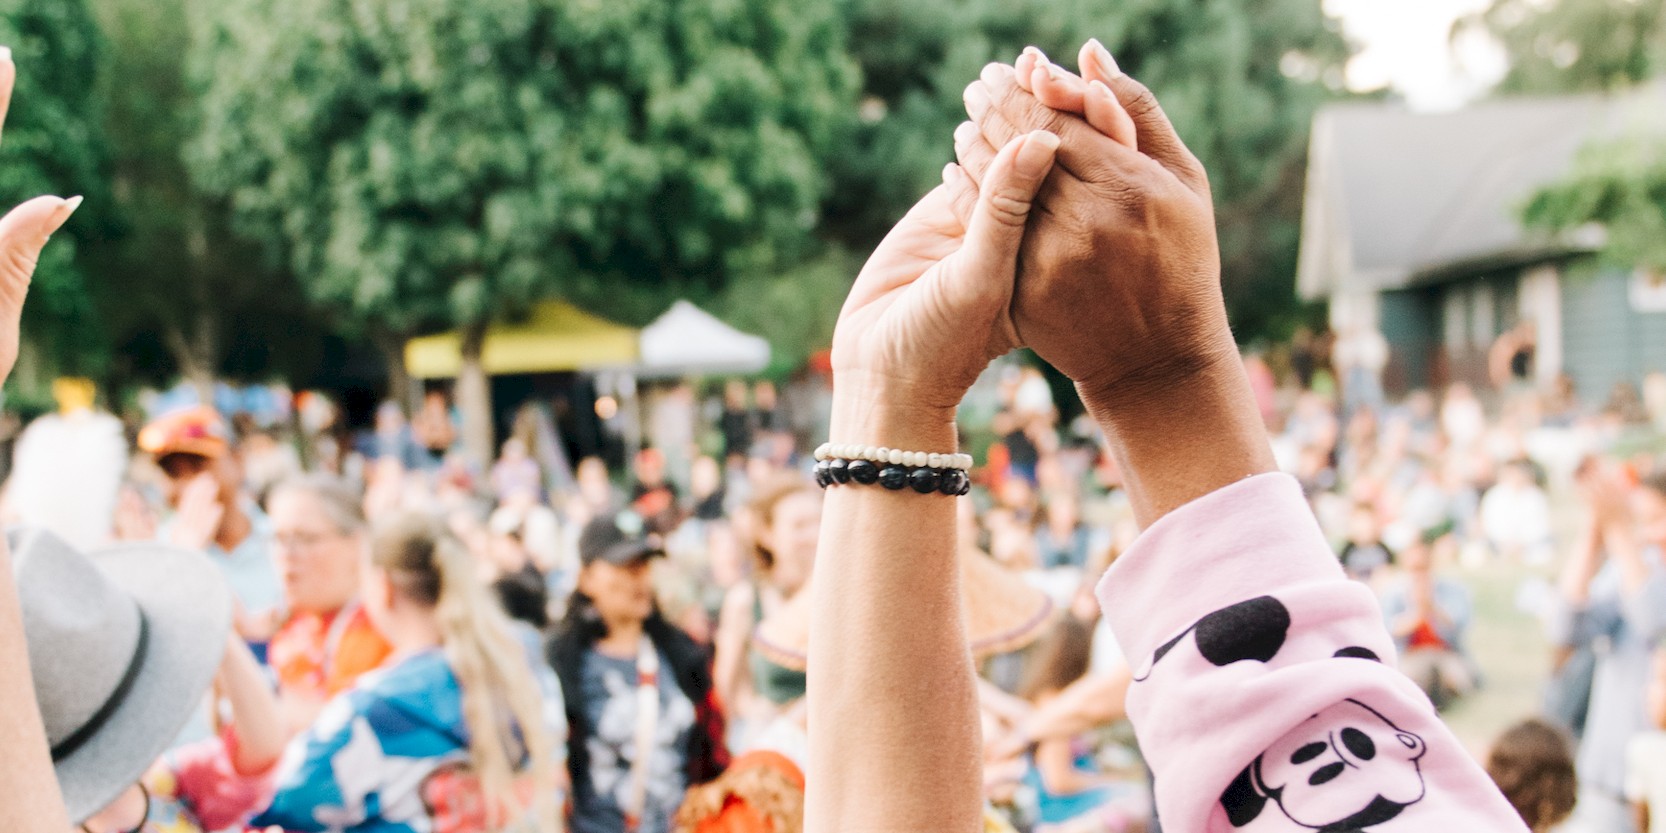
[922, 479]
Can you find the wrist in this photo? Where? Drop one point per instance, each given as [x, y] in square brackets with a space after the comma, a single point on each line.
[1196, 433]
[879, 412]
[1165, 385]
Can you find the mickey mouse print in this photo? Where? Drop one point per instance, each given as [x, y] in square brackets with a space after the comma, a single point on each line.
[1345, 769]
[1268, 700]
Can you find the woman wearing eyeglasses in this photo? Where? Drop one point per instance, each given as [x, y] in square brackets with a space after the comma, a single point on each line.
[319, 535]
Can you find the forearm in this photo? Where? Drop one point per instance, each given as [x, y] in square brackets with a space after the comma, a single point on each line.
[261, 732]
[299, 712]
[728, 665]
[1053, 759]
[1628, 556]
[1583, 565]
[890, 673]
[1196, 434]
[1085, 704]
[29, 800]
[1009, 709]
[1250, 645]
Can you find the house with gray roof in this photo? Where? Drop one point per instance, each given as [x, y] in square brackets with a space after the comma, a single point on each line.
[1410, 226]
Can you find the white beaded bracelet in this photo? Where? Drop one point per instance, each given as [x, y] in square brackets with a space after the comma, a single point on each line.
[893, 456]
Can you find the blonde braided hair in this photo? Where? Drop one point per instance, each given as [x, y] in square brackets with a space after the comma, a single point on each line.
[502, 704]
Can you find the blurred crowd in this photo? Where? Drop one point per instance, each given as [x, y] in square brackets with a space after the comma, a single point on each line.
[653, 617]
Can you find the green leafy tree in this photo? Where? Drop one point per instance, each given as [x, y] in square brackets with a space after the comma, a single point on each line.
[437, 163]
[1573, 46]
[54, 144]
[1565, 46]
[1240, 78]
[1618, 186]
[796, 308]
[174, 273]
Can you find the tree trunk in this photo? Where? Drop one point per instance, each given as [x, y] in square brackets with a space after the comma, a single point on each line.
[195, 343]
[400, 386]
[474, 397]
[195, 354]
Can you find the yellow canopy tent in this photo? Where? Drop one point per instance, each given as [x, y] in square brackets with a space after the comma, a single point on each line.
[558, 336]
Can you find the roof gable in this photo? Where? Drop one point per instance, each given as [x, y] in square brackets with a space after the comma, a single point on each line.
[1394, 195]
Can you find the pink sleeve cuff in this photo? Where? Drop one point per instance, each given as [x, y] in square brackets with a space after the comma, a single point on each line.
[1266, 695]
[1263, 523]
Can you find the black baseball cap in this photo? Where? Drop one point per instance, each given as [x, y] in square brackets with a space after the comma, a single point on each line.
[620, 539]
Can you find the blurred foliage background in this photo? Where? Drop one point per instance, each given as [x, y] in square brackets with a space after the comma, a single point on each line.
[269, 180]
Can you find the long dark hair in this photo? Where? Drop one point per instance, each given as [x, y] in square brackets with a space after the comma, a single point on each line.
[1061, 658]
[583, 623]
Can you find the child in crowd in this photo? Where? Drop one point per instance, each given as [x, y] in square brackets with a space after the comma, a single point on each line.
[1072, 794]
[1365, 554]
[123, 645]
[1428, 616]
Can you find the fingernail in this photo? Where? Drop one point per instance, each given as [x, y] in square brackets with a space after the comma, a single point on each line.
[1056, 74]
[951, 173]
[71, 204]
[1097, 87]
[5, 54]
[977, 100]
[995, 73]
[1106, 62]
[1036, 153]
[965, 133]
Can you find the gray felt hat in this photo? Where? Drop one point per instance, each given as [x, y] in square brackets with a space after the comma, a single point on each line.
[123, 644]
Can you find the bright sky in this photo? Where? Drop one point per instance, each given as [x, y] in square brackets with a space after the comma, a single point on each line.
[1406, 44]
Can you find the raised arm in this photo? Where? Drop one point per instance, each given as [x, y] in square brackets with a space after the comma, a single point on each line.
[255, 715]
[1265, 694]
[732, 641]
[29, 801]
[893, 718]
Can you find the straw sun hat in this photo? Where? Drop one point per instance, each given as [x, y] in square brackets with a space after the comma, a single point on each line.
[123, 643]
[1002, 613]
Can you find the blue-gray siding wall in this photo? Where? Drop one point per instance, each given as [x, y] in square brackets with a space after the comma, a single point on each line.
[1410, 322]
[1604, 340]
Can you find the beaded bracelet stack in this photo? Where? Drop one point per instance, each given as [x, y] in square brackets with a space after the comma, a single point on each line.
[894, 469]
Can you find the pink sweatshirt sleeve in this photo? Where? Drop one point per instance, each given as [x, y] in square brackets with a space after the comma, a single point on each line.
[210, 785]
[1266, 697]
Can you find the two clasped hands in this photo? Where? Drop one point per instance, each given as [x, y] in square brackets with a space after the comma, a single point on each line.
[1078, 224]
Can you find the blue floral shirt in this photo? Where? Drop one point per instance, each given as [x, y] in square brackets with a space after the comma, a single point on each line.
[364, 766]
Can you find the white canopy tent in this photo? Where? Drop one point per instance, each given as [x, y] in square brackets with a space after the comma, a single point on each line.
[687, 340]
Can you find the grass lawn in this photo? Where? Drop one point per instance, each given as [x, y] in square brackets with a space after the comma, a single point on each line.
[1509, 644]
